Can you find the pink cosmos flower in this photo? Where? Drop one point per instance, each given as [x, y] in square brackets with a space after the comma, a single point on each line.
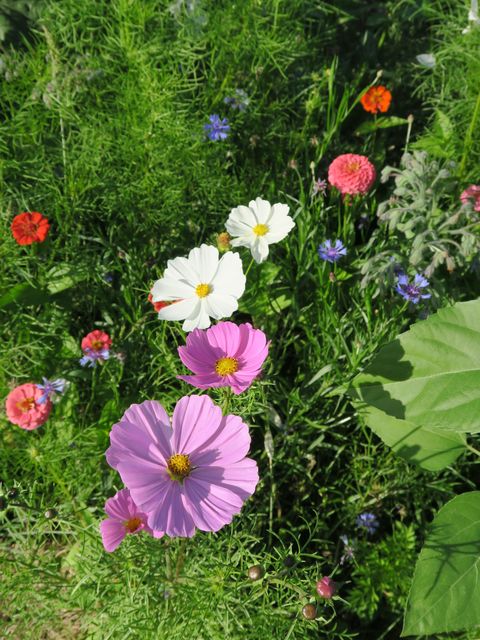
[191, 474]
[352, 174]
[124, 518]
[24, 408]
[472, 194]
[225, 355]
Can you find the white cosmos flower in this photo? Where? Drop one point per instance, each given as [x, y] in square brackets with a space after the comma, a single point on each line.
[201, 287]
[259, 225]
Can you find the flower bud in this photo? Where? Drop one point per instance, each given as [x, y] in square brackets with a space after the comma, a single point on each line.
[326, 587]
[12, 494]
[309, 612]
[223, 241]
[50, 514]
[256, 572]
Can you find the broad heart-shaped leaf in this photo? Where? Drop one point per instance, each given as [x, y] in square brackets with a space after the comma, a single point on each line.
[431, 450]
[430, 375]
[445, 591]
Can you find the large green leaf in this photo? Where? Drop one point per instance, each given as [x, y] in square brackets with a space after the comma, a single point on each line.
[23, 294]
[431, 450]
[446, 585]
[430, 375]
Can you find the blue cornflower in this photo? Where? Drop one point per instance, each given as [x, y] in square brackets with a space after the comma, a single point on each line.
[91, 357]
[367, 521]
[217, 128]
[348, 549]
[330, 252]
[50, 387]
[239, 101]
[319, 187]
[412, 292]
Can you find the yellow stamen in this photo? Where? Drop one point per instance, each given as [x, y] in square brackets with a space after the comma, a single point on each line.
[97, 345]
[203, 290]
[226, 366]
[260, 229]
[179, 466]
[26, 404]
[132, 525]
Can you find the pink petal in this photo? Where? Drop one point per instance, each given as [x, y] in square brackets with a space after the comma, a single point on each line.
[145, 415]
[113, 532]
[121, 507]
[195, 418]
[129, 441]
[224, 336]
[209, 513]
[204, 380]
[240, 478]
[172, 514]
[227, 445]
[147, 482]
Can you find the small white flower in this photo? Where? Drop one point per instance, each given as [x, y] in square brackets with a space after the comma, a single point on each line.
[200, 287]
[259, 225]
[426, 60]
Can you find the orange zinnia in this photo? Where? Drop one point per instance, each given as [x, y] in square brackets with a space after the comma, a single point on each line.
[28, 228]
[376, 99]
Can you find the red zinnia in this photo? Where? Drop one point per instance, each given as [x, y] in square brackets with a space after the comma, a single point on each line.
[30, 227]
[96, 341]
[24, 409]
[376, 99]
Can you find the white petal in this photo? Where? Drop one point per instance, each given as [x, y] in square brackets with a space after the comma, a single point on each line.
[243, 216]
[178, 310]
[244, 241]
[229, 279]
[279, 229]
[169, 289]
[181, 269]
[198, 319]
[262, 209]
[220, 306]
[260, 249]
[204, 262]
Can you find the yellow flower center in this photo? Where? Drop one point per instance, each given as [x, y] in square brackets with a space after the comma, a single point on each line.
[132, 525]
[353, 167]
[203, 290]
[226, 366]
[97, 345]
[179, 466]
[26, 404]
[260, 229]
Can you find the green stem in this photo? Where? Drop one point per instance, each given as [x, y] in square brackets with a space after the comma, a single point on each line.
[226, 401]
[468, 138]
[249, 267]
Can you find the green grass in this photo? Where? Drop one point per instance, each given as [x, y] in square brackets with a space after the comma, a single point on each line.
[101, 129]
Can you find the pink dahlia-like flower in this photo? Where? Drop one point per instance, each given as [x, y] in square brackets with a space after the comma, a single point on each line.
[96, 341]
[124, 518]
[472, 194]
[187, 475]
[24, 408]
[352, 174]
[225, 355]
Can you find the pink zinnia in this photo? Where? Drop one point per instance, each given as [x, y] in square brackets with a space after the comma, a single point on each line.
[225, 355]
[124, 518]
[96, 341]
[187, 475]
[351, 174]
[472, 194]
[24, 408]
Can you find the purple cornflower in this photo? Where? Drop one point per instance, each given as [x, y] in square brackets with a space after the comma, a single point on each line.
[49, 388]
[319, 187]
[330, 252]
[348, 550]
[216, 129]
[91, 357]
[367, 521]
[412, 292]
[238, 101]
